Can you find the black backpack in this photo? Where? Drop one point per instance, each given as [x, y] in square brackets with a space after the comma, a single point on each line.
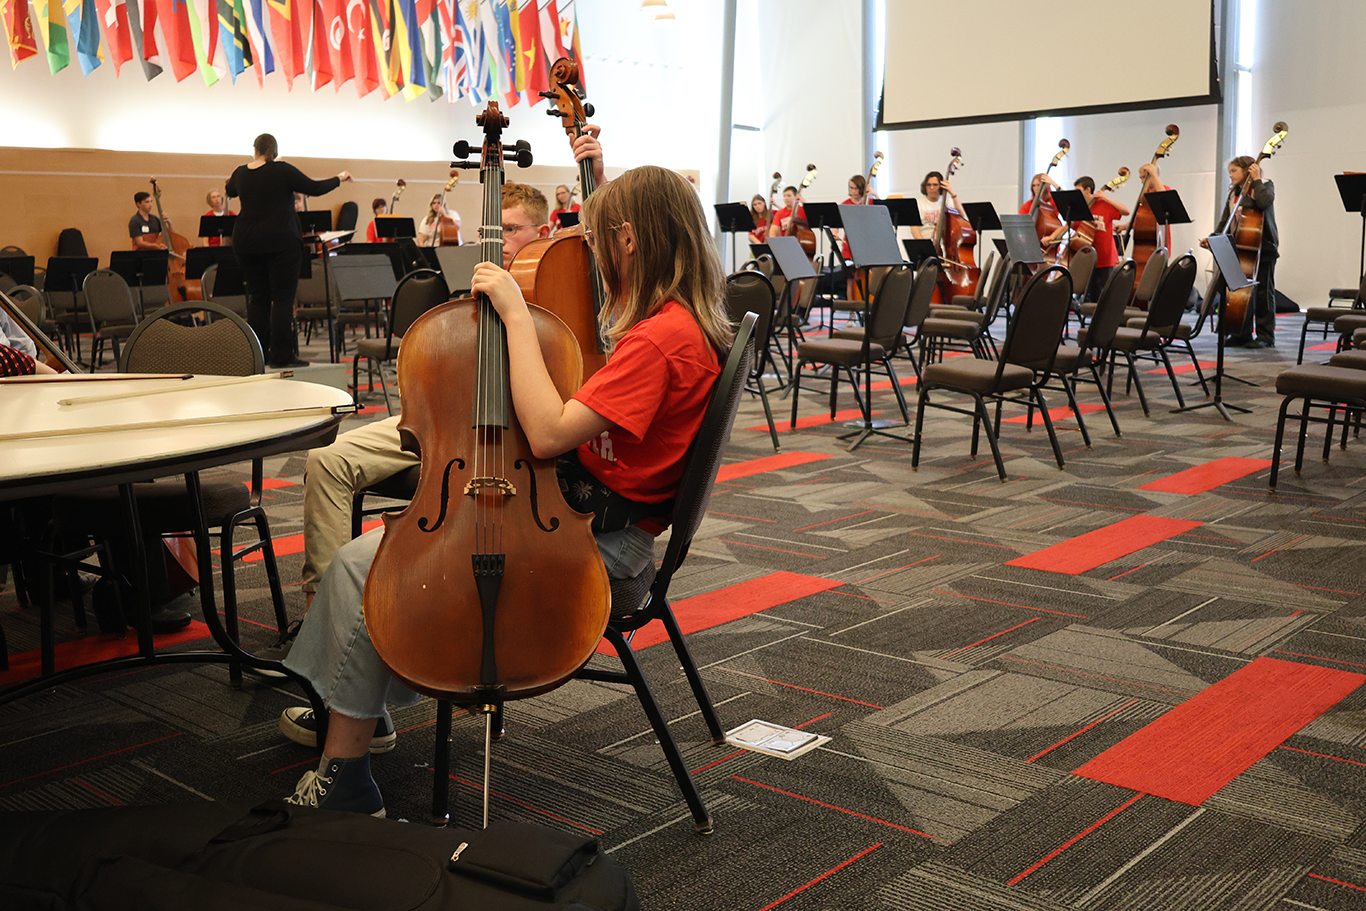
[279, 857]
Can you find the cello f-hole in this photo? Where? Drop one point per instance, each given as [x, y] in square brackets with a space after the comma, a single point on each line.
[445, 496]
[535, 501]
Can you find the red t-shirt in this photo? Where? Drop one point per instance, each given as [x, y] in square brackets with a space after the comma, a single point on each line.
[370, 235]
[555, 216]
[1104, 241]
[784, 212]
[215, 241]
[654, 389]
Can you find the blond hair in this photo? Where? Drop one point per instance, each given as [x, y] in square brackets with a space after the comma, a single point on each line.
[529, 199]
[675, 258]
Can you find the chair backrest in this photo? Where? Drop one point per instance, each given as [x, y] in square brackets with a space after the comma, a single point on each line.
[1082, 264]
[1152, 274]
[417, 292]
[31, 301]
[997, 294]
[888, 316]
[704, 455]
[224, 347]
[1040, 318]
[1114, 297]
[983, 279]
[752, 292]
[71, 242]
[312, 292]
[109, 298]
[6, 282]
[921, 293]
[764, 263]
[12, 250]
[346, 218]
[1169, 300]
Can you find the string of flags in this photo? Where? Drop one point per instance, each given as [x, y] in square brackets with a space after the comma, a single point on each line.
[481, 49]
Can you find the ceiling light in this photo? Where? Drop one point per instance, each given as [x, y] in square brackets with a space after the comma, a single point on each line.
[652, 7]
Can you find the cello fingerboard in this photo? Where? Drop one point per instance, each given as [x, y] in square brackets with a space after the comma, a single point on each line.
[491, 378]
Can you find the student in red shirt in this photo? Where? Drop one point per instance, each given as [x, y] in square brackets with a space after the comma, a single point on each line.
[782, 219]
[628, 428]
[218, 206]
[564, 202]
[1106, 210]
[378, 207]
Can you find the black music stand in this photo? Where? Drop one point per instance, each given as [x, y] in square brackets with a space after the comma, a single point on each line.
[570, 219]
[825, 216]
[1230, 277]
[219, 226]
[1072, 208]
[392, 227]
[65, 275]
[982, 216]
[142, 269]
[733, 218]
[905, 213]
[456, 265]
[1352, 189]
[1022, 247]
[318, 222]
[871, 236]
[19, 268]
[789, 261]
[918, 250]
[758, 250]
[1167, 209]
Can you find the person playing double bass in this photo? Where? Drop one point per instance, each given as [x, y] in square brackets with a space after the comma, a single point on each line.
[782, 219]
[935, 190]
[1261, 196]
[1151, 175]
[1106, 210]
[144, 228]
[628, 427]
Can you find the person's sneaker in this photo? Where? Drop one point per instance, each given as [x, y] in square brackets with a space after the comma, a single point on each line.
[280, 650]
[300, 725]
[340, 784]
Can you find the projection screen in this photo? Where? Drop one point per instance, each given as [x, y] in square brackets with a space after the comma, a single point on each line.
[1012, 59]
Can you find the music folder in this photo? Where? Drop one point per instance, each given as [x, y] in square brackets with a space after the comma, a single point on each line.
[568, 219]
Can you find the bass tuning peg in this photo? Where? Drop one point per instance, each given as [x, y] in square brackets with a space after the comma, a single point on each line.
[461, 149]
[588, 108]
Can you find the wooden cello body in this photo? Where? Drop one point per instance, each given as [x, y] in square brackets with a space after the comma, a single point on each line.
[1046, 219]
[1143, 226]
[179, 288]
[798, 228]
[955, 239]
[558, 273]
[487, 587]
[1245, 225]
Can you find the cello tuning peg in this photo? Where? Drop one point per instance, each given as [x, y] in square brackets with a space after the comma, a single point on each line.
[523, 158]
[588, 108]
[461, 149]
[548, 94]
[523, 146]
[464, 164]
[554, 112]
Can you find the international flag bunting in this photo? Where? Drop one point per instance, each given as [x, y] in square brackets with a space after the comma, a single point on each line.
[480, 49]
[23, 44]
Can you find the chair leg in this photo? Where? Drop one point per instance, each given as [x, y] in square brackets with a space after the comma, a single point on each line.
[226, 558]
[1104, 397]
[896, 388]
[922, 396]
[985, 421]
[1048, 424]
[384, 388]
[699, 688]
[1304, 331]
[1276, 446]
[795, 389]
[277, 594]
[701, 821]
[1304, 432]
[1199, 374]
[441, 766]
[1171, 375]
[768, 414]
[1137, 383]
[1067, 385]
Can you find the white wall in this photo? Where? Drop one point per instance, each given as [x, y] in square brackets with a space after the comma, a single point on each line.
[1307, 72]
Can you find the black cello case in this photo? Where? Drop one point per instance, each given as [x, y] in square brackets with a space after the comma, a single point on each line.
[279, 857]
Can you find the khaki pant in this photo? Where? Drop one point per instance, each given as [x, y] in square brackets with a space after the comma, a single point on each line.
[335, 474]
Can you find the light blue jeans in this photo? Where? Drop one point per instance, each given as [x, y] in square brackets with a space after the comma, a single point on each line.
[333, 648]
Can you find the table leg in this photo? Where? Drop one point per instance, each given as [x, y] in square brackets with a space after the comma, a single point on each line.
[142, 604]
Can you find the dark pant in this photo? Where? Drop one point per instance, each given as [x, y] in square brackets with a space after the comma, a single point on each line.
[272, 281]
[1099, 276]
[1263, 304]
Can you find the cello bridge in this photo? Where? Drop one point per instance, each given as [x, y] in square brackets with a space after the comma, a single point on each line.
[499, 485]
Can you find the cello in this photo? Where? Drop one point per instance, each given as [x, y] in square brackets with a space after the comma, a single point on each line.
[1046, 220]
[1084, 232]
[558, 273]
[398, 191]
[954, 238]
[1245, 226]
[177, 286]
[1143, 225]
[487, 587]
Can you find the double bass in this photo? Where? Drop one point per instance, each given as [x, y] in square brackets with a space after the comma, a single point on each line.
[954, 238]
[1245, 226]
[446, 232]
[797, 227]
[1084, 232]
[1143, 227]
[1046, 219]
[178, 287]
[558, 273]
[487, 587]
[398, 191]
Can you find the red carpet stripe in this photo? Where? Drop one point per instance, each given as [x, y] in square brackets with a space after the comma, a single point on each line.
[1096, 548]
[767, 463]
[1326, 346]
[88, 650]
[815, 420]
[1056, 414]
[731, 603]
[294, 544]
[1179, 369]
[1205, 742]
[1208, 476]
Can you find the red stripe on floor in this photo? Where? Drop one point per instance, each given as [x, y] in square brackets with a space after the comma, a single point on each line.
[1183, 368]
[815, 420]
[1056, 414]
[731, 603]
[887, 384]
[1208, 476]
[294, 544]
[272, 483]
[88, 650]
[1096, 548]
[767, 463]
[1326, 346]
[1205, 742]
